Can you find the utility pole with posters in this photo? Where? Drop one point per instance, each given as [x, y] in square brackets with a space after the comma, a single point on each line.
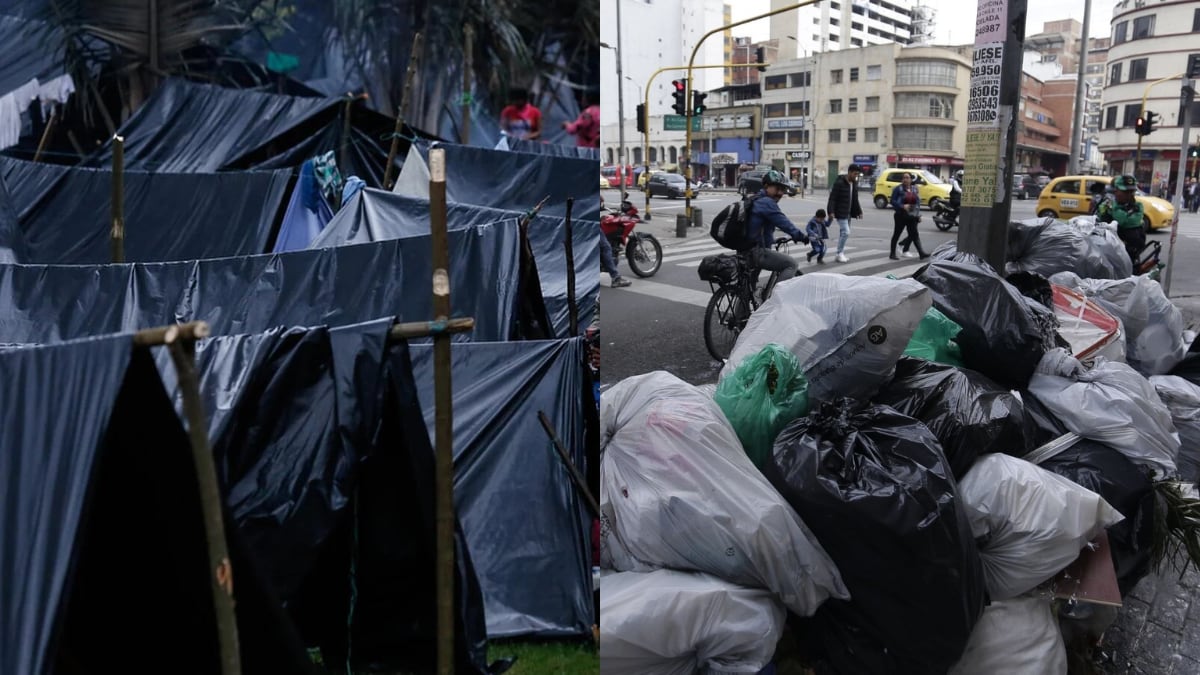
[992, 129]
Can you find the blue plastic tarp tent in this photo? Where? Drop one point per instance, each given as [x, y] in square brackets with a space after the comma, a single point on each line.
[65, 213]
[376, 215]
[334, 286]
[524, 520]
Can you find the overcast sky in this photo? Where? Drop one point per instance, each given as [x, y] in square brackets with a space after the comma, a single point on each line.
[955, 20]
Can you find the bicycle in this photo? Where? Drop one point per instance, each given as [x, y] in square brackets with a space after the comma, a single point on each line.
[736, 294]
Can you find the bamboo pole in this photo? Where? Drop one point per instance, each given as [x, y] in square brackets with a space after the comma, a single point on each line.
[337, 198]
[196, 330]
[443, 402]
[413, 59]
[468, 67]
[46, 134]
[576, 477]
[183, 354]
[117, 235]
[569, 244]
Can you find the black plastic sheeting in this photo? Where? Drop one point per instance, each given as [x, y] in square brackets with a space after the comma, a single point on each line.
[517, 181]
[377, 215]
[12, 244]
[555, 149]
[969, 413]
[335, 287]
[65, 213]
[295, 422]
[1126, 487]
[876, 490]
[102, 510]
[1003, 335]
[526, 525]
[189, 127]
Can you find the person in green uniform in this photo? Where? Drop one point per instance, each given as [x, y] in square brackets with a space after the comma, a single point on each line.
[1126, 211]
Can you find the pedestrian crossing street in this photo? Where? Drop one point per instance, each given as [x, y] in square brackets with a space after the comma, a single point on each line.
[863, 262]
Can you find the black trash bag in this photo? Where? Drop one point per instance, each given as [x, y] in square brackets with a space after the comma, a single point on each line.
[949, 251]
[1189, 367]
[969, 413]
[1048, 247]
[1129, 489]
[1002, 335]
[1043, 425]
[1034, 286]
[876, 490]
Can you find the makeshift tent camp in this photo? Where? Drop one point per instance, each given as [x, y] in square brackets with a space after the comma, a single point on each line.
[364, 576]
[64, 212]
[189, 127]
[516, 181]
[524, 520]
[28, 72]
[376, 215]
[101, 510]
[334, 286]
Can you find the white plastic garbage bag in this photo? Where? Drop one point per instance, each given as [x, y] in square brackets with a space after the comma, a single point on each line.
[1015, 637]
[1030, 523]
[846, 331]
[1111, 403]
[1153, 324]
[678, 491]
[1183, 399]
[668, 622]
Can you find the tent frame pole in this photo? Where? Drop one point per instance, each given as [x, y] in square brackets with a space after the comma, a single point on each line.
[569, 244]
[468, 68]
[180, 341]
[117, 233]
[413, 60]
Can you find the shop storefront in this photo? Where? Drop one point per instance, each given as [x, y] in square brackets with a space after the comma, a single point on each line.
[939, 166]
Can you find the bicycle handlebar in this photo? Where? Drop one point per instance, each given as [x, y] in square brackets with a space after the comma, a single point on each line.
[780, 241]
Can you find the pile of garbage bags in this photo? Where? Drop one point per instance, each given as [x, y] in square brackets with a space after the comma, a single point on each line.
[893, 473]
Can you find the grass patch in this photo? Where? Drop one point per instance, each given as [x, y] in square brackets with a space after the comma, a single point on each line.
[547, 658]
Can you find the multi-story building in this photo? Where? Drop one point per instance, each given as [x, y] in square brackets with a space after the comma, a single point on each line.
[1044, 124]
[884, 105]
[745, 51]
[648, 45]
[1150, 41]
[830, 25]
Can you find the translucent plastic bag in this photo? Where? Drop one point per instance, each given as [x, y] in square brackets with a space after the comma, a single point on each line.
[1183, 399]
[1030, 522]
[1153, 325]
[765, 393]
[1111, 403]
[676, 490]
[1019, 637]
[934, 339]
[680, 623]
[846, 331]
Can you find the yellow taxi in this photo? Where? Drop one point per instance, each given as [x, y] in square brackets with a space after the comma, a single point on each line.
[1069, 196]
[604, 184]
[929, 187]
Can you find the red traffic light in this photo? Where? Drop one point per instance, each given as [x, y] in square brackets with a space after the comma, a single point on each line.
[678, 84]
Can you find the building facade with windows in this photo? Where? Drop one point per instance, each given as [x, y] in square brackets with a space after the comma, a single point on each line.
[880, 106]
[1151, 40]
[831, 25]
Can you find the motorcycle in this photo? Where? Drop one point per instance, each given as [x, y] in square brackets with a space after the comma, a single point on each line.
[945, 216]
[642, 250]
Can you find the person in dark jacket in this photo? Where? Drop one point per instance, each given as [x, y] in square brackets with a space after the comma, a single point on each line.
[843, 205]
[765, 217]
[906, 202]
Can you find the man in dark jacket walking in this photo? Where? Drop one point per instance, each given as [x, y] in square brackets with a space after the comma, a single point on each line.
[843, 205]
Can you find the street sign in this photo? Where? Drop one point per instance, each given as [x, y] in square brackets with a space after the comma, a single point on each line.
[679, 123]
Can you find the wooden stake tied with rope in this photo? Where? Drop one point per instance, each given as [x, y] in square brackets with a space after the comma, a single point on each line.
[117, 234]
[402, 112]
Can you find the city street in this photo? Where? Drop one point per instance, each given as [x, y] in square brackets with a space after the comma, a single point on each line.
[657, 323]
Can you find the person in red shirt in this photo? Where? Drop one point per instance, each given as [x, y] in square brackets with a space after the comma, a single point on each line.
[586, 128]
[520, 118]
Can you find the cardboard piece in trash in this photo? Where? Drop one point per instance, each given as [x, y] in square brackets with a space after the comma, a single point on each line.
[1096, 574]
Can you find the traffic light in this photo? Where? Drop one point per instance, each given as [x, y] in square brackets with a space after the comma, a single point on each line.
[641, 118]
[760, 56]
[680, 105]
[698, 106]
[1151, 118]
[1140, 126]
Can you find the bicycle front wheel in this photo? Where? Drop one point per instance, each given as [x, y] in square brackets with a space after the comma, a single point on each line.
[724, 319]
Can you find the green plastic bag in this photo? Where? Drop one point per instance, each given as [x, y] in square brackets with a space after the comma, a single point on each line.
[762, 395]
[934, 339]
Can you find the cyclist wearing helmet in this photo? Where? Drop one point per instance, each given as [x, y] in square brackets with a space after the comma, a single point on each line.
[1126, 211]
[765, 217]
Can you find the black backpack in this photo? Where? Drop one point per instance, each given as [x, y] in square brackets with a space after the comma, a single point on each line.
[730, 224]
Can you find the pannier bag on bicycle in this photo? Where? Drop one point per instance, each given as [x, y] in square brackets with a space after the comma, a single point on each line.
[721, 269]
[729, 226]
